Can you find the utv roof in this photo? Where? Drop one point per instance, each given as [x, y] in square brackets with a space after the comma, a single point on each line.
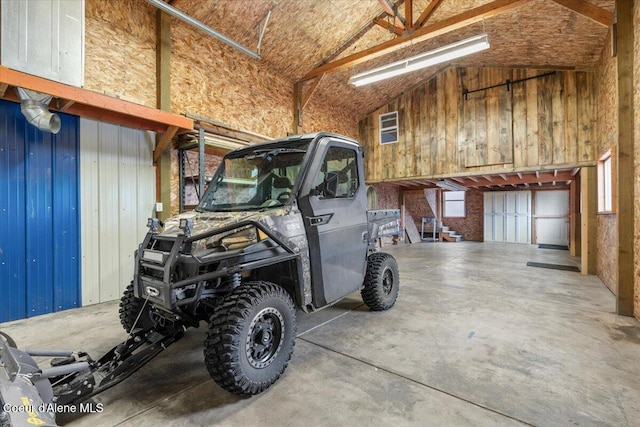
[293, 138]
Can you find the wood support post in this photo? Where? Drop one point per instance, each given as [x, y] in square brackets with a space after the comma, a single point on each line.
[588, 209]
[163, 102]
[625, 224]
[297, 108]
[575, 245]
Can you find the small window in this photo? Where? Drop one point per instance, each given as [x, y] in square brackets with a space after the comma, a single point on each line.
[605, 183]
[454, 204]
[342, 162]
[389, 127]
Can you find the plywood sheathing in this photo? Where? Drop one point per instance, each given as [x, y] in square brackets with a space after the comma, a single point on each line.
[607, 136]
[120, 50]
[211, 79]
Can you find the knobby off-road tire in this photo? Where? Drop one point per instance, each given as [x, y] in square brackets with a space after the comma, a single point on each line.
[381, 283]
[130, 307]
[251, 338]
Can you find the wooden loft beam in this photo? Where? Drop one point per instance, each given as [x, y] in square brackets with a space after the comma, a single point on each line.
[588, 10]
[464, 19]
[427, 12]
[82, 102]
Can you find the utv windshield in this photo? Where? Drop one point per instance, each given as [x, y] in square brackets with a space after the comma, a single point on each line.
[257, 179]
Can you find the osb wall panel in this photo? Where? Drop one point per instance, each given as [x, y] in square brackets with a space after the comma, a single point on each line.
[606, 259]
[215, 81]
[120, 53]
[607, 130]
[543, 121]
[636, 95]
[471, 226]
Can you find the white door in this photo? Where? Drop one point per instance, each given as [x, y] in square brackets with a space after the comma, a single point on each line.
[552, 217]
[507, 216]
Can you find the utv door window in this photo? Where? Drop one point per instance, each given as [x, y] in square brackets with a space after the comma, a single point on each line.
[338, 176]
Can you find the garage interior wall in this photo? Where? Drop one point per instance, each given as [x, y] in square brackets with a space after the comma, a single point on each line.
[117, 184]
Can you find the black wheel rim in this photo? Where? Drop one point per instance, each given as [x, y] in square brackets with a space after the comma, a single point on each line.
[264, 339]
[387, 281]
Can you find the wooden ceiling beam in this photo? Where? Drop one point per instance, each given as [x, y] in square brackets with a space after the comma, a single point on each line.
[588, 10]
[314, 85]
[526, 179]
[408, 13]
[391, 10]
[389, 27]
[427, 13]
[82, 102]
[445, 26]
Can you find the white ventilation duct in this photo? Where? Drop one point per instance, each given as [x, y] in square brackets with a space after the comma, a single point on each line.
[35, 108]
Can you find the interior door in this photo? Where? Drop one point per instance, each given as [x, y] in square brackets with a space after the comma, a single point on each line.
[333, 203]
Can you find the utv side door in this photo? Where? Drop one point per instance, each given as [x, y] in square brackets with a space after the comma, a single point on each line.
[333, 203]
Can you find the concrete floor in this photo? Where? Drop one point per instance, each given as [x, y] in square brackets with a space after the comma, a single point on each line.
[476, 338]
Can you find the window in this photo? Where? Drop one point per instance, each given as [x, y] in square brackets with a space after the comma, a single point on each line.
[605, 183]
[389, 127]
[340, 163]
[454, 204]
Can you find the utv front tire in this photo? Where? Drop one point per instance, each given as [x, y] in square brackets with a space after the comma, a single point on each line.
[251, 338]
[132, 308]
[381, 282]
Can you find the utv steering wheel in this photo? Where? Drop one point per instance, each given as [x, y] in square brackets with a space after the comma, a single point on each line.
[284, 197]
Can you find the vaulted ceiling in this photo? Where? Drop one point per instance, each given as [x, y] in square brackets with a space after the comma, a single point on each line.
[324, 42]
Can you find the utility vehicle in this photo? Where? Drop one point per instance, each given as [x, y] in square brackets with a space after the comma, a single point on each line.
[282, 226]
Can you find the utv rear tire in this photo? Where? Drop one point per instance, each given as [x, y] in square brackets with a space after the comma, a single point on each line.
[251, 338]
[130, 308]
[381, 283]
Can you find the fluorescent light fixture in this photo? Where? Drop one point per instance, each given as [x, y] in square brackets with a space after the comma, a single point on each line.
[447, 184]
[427, 59]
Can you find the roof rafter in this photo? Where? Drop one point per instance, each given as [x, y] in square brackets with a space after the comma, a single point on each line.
[464, 19]
[588, 10]
[392, 10]
[427, 12]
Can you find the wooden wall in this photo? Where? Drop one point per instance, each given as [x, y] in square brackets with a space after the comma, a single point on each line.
[547, 121]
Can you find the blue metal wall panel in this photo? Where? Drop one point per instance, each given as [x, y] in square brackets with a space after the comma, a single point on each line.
[39, 240]
[13, 283]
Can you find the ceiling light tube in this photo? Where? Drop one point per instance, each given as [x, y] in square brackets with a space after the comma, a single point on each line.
[427, 59]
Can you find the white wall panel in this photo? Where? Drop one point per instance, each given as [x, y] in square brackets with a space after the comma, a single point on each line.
[118, 195]
[44, 38]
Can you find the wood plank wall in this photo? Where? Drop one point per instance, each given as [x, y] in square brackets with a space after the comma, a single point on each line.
[544, 121]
